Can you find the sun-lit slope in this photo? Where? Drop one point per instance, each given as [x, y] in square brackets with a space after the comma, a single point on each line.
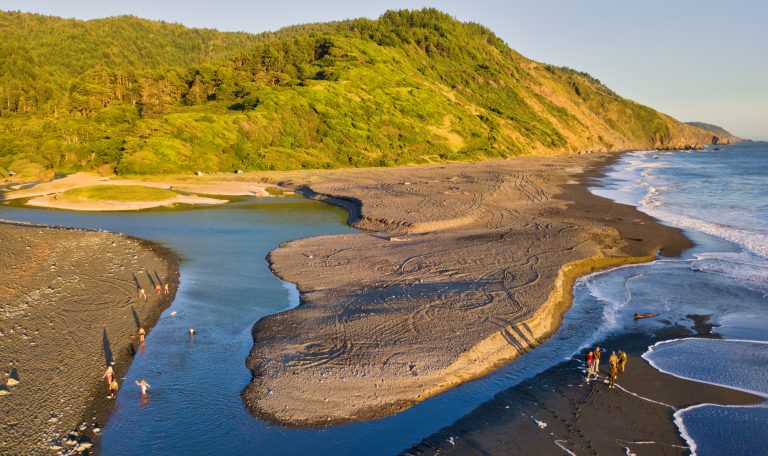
[409, 87]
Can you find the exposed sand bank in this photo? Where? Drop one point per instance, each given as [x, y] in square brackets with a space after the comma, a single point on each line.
[464, 268]
[51, 201]
[47, 194]
[68, 304]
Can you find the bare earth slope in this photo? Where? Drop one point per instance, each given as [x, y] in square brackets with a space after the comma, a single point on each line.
[68, 305]
[464, 268]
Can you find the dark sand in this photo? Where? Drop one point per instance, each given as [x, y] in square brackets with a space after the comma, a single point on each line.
[585, 418]
[68, 304]
[463, 268]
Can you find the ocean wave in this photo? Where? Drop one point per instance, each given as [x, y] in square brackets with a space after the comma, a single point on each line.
[640, 170]
[753, 241]
[741, 266]
[735, 374]
[727, 375]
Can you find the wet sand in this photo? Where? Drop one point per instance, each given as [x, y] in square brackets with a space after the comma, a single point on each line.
[69, 305]
[461, 269]
[558, 409]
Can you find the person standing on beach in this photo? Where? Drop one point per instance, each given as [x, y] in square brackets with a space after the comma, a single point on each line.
[590, 364]
[165, 288]
[622, 360]
[142, 294]
[596, 355]
[613, 362]
[142, 334]
[113, 387]
[144, 386]
[108, 375]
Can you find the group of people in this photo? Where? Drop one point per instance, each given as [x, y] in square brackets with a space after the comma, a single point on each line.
[161, 287]
[616, 362]
[109, 375]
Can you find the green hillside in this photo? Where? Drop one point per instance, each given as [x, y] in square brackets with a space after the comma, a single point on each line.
[143, 97]
[711, 128]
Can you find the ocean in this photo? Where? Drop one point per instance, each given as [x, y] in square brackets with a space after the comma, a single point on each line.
[719, 197]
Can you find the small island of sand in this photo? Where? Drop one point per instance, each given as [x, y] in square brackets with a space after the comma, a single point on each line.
[90, 192]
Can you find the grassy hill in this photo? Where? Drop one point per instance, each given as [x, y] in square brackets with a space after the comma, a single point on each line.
[144, 97]
[719, 131]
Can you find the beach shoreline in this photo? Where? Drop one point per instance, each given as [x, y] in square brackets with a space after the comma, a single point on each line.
[66, 314]
[329, 362]
[556, 411]
[556, 408]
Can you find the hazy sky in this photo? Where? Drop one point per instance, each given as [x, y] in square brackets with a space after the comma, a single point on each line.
[693, 59]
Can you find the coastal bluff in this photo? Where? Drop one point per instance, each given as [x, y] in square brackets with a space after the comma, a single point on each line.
[457, 270]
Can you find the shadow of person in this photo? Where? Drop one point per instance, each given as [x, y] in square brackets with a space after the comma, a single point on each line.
[136, 281]
[136, 317]
[159, 280]
[107, 347]
[151, 279]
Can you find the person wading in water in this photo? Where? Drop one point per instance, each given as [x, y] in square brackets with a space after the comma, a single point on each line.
[144, 386]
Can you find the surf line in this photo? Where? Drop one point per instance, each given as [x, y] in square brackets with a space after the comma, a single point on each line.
[678, 415]
[647, 354]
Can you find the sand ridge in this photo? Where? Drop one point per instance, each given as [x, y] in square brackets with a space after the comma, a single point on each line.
[462, 268]
[64, 312]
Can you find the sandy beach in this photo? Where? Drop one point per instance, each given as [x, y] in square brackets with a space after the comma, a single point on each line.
[461, 268]
[70, 306]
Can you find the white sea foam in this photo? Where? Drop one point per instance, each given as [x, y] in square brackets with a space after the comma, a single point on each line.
[727, 354]
[639, 171]
[680, 414]
[752, 241]
[742, 266]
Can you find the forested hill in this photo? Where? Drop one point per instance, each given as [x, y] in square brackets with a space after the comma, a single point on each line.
[145, 97]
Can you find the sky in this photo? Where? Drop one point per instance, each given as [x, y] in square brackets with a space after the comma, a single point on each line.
[696, 60]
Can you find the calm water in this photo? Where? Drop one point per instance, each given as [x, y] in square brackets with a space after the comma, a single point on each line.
[195, 407]
[721, 199]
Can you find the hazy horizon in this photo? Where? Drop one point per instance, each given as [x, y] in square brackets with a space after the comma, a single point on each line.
[694, 60]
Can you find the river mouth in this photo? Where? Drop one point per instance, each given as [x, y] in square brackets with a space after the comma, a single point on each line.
[226, 285]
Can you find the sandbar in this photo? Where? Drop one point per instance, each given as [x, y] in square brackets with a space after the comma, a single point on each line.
[458, 269]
